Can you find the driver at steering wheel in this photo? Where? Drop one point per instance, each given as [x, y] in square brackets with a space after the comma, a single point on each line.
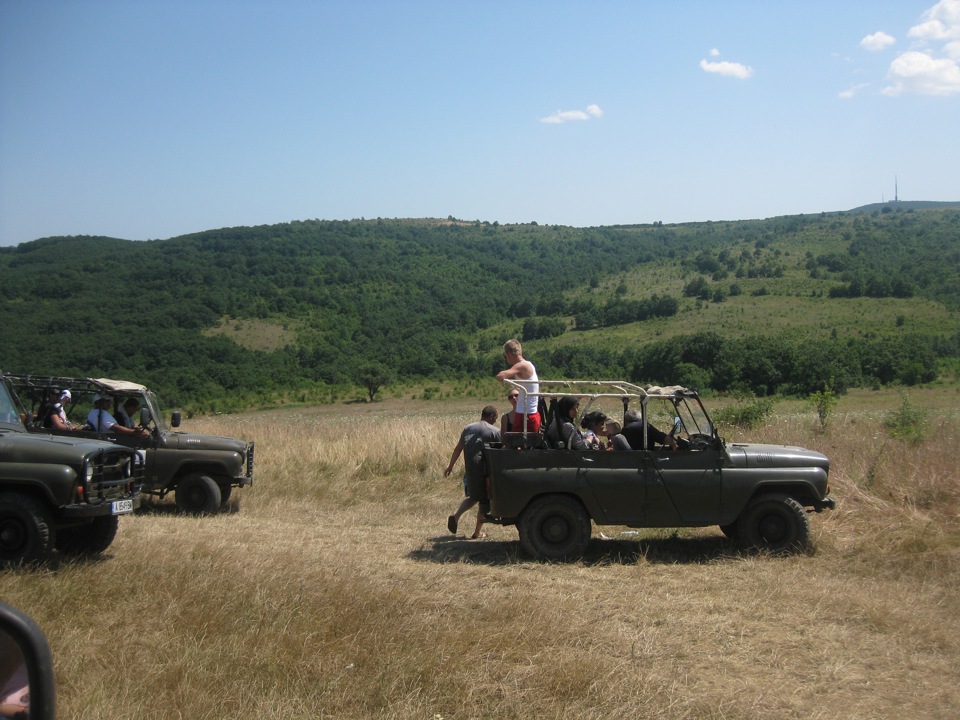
[634, 428]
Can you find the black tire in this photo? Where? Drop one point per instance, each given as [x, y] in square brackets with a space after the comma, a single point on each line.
[775, 523]
[198, 494]
[554, 527]
[91, 539]
[225, 491]
[27, 532]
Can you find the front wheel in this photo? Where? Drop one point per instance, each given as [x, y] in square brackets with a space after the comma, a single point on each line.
[554, 527]
[198, 494]
[27, 533]
[776, 523]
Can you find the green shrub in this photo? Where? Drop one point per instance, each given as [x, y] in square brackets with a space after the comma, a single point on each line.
[749, 412]
[909, 423]
[823, 402]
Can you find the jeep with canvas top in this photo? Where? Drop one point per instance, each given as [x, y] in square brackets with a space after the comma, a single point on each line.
[201, 470]
[64, 493]
[759, 495]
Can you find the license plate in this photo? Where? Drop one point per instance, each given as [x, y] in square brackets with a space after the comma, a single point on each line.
[119, 507]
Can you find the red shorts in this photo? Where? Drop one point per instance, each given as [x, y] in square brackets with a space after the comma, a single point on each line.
[533, 422]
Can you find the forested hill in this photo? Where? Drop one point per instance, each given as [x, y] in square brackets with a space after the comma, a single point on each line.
[245, 314]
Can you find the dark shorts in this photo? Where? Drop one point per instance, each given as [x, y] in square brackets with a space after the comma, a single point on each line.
[477, 485]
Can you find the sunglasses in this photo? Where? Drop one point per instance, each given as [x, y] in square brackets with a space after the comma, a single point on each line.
[513, 397]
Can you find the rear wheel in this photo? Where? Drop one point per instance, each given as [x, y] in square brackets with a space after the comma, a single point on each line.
[91, 539]
[776, 523]
[198, 494]
[555, 527]
[27, 533]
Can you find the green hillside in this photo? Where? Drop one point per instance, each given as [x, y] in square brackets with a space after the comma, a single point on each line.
[247, 315]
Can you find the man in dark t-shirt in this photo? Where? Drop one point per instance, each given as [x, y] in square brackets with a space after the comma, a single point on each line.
[634, 428]
[473, 438]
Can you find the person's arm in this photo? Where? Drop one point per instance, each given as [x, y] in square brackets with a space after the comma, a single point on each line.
[520, 371]
[572, 438]
[453, 458]
[658, 436]
[118, 428]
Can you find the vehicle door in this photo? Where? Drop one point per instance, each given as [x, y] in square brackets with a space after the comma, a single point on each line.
[617, 481]
[685, 484]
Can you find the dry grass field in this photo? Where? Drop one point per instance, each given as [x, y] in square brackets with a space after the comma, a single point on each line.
[332, 589]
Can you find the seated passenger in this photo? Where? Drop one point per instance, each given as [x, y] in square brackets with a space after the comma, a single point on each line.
[615, 441]
[562, 433]
[592, 426]
[102, 421]
[54, 415]
[128, 412]
[634, 428]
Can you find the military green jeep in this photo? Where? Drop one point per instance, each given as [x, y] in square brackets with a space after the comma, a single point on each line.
[676, 471]
[59, 492]
[201, 470]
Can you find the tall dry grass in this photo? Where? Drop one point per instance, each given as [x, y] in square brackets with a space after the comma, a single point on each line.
[333, 590]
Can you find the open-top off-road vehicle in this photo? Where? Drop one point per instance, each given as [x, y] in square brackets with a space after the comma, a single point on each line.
[59, 492]
[759, 495]
[201, 470]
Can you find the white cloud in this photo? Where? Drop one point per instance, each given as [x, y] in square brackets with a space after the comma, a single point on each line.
[920, 73]
[941, 22]
[562, 116]
[714, 53]
[850, 92]
[877, 41]
[927, 70]
[727, 69]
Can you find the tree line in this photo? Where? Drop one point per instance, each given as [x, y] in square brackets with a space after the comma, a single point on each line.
[421, 300]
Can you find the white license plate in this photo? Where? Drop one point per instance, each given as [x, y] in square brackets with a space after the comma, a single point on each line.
[119, 507]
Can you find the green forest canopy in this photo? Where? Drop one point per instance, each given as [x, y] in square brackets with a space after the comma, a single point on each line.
[423, 300]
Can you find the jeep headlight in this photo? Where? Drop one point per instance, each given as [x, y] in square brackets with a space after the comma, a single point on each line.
[88, 472]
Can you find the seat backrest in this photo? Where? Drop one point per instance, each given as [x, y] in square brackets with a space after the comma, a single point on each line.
[620, 443]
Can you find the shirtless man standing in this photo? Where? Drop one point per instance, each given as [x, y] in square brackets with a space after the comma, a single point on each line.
[525, 374]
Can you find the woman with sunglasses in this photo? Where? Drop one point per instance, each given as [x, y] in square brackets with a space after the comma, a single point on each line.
[508, 419]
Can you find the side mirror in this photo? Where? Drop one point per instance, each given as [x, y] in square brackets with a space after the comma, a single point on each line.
[144, 417]
[677, 426]
[175, 419]
[26, 668]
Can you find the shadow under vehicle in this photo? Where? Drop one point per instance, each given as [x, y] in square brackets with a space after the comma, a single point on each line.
[759, 495]
[201, 470]
[59, 492]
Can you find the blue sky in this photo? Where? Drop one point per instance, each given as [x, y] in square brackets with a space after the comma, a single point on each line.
[146, 119]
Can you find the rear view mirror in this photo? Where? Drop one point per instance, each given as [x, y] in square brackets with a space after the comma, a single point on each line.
[26, 668]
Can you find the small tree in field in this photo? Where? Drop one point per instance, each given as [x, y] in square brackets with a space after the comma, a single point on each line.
[373, 377]
[823, 402]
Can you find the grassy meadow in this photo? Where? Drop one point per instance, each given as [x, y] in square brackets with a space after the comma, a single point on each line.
[332, 589]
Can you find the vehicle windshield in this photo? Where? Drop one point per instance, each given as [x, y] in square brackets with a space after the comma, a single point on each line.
[693, 417]
[150, 412]
[9, 414]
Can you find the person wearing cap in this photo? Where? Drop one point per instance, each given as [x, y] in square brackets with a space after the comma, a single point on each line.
[54, 416]
[102, 421]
